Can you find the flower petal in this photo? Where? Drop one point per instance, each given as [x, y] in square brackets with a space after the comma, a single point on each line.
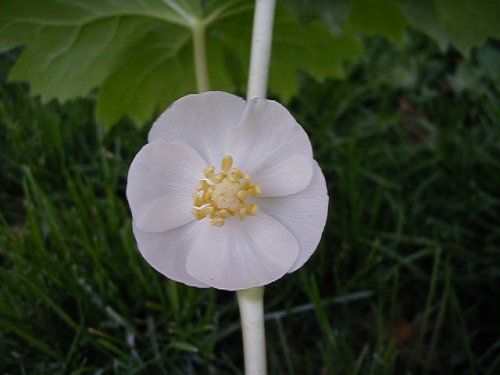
[167, 251]
[242, 254]
[284, 172]
[160, 184]
[304, 214]
[201, 121]
[272, 148]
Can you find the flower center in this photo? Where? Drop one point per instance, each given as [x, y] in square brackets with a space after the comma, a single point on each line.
[224, 194]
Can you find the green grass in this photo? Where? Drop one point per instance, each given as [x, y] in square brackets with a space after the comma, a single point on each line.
[405, 280]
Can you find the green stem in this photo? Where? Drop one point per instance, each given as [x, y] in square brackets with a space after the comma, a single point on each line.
[200, 57]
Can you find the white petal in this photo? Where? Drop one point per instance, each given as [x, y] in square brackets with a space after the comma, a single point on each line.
[202, 121]
[242, 254]
[272, 148]
[161, 181]
[284, 172]
[304, 214]
[167, 251]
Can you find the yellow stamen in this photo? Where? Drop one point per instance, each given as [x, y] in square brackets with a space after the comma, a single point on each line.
[209, 172]
[227, 163]
[224, 194]
[251, 209]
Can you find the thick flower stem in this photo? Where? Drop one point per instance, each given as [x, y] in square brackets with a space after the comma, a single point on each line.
[200, 57]
[251, 306]
[251, 301]
[261, 48]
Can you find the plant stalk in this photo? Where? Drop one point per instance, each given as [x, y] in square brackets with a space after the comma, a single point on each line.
[251, 304]
[261, 48]
[251, 301]
[200, 57]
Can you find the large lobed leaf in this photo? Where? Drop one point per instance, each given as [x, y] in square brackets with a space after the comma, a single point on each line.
[462, 23]
[296, 47]
[378, 17]
[138, 54]
[72, 46]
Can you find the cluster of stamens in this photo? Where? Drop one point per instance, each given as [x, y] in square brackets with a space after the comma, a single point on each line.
[224, 194]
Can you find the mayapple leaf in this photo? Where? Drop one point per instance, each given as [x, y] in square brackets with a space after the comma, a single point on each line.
[72, 46]
[65, 63]
[378, 17]
[143, 81]
[333, 13]
[158, 70]
[309, 48]
[354, 17]
[138, 54]
[462, 23]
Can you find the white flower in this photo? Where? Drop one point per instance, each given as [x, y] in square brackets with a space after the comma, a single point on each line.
[226, 194]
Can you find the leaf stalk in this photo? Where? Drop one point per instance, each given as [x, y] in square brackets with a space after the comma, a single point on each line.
[200, 57]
